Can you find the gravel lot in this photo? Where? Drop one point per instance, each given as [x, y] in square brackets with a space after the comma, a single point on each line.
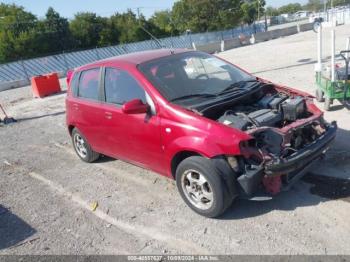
[46, 192]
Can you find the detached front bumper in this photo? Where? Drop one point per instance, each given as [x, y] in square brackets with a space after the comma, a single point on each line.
[304, 156]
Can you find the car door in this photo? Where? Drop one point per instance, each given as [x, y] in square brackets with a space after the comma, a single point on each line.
[132, 137]
[87, 107]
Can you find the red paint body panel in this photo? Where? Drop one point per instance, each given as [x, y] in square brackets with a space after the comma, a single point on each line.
[152, 142]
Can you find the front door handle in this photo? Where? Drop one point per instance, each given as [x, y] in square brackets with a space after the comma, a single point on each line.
[108, 115]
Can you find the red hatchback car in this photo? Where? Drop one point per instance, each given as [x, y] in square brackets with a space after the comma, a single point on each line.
[220, 132]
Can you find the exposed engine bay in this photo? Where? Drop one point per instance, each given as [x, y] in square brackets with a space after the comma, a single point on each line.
[270, 111]
[263, 115]
[287, 137]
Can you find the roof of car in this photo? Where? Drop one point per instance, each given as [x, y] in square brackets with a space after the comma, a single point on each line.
[139, 57]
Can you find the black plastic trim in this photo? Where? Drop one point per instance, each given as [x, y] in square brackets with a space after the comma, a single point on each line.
[304, 156]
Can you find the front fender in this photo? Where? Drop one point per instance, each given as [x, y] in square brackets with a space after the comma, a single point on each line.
[193, 143]
[200, 145]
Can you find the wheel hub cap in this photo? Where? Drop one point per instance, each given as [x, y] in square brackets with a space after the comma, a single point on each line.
[197, 189]
[80, 146]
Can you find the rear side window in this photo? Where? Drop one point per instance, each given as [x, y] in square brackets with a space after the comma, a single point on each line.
[89, 84]
[121, 87]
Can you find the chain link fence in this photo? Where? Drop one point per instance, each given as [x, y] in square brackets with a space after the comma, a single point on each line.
[25, 69]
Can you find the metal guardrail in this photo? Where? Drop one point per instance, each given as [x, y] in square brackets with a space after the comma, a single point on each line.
[25, 69]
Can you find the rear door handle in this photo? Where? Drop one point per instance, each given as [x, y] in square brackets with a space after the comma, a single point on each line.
[75, 106]
[108, 115]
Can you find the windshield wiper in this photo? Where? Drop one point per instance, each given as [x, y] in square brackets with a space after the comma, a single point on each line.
[192, 96]
[237, 86]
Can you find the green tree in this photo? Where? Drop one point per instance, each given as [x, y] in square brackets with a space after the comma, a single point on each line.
[22, 35]
[162, 21]
[314, 5]
[127, 24]
[248, 13]
[271, 11]
[290, 8]
[53, 32]
[206, 15]
[109, 34]
[131, 28]
[86, 28]
[341, 2]
[17, 33]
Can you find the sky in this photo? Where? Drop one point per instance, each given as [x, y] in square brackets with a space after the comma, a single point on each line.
[68, 8]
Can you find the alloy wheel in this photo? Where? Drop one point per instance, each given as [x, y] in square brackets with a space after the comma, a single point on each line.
[80, 145]
[197, 189]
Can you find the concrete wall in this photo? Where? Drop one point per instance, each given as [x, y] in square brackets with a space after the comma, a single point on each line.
[13, 84]
[289, 31]
[210, 48]
[20, 83]
[275, 33]
[306, 27]
[232, 43]
[262, 36]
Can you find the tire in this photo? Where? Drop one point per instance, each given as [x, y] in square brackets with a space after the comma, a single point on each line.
[327, 103]
[202, 187]
[319, 95]
[83, 148]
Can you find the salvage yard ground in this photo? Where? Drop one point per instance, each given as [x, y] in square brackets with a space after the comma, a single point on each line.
[46, 192]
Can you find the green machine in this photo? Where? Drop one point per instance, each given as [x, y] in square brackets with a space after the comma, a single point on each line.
[335, 85]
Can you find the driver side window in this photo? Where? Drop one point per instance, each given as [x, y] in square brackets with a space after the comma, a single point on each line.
[121, 87]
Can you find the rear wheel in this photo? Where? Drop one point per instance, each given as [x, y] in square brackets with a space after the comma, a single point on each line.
[202, 187]
[82, 147]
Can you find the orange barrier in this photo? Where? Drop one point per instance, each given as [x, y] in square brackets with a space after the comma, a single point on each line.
[45, 85]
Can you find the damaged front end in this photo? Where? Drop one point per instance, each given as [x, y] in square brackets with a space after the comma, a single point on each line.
[278, 169]
[289, 135]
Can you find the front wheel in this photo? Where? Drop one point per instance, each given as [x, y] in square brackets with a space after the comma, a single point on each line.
[201, 186]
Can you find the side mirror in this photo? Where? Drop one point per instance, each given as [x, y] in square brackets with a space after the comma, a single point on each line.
[135, 106]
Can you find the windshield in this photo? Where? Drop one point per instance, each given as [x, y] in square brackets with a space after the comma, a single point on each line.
[193, 75]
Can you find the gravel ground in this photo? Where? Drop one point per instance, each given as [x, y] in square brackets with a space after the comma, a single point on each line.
[47, 193]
